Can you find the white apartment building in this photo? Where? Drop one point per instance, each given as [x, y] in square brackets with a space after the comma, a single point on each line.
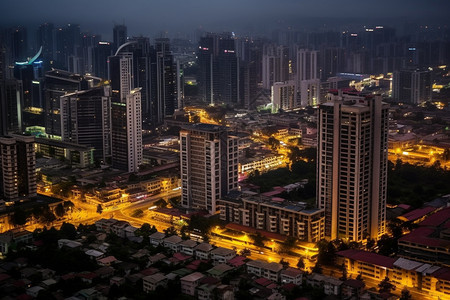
[209, 165]
[352, 166]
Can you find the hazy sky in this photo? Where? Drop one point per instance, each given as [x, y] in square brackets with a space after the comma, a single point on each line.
[149, 17]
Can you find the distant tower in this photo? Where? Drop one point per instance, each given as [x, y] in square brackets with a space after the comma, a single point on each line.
[412, 86]
[307, 77]
[284, 96]
[209, 165]
[11, 98]
[275, 65]
[352, 166]
[17, 167]
[119, 36]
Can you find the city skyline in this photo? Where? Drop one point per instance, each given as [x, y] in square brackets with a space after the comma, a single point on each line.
[157, 18]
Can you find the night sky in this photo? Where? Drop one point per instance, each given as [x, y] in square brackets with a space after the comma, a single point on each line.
[150, 17]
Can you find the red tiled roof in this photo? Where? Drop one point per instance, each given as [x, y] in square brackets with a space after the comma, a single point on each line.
[149, 271]
[368, 257]
[354, 283]
[263, 281]
[181, 256]
[437, 218]
[404, 206]
[421, 236]
[443, 274]
[288, 286]
[418, 213]
[237, 261]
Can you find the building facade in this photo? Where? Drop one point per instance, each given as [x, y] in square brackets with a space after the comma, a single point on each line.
[209, 165]
[352, 166]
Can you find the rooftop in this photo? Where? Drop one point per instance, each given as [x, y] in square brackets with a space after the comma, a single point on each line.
[368, 257]
[193, 277]
[417, 213]
[272, 266]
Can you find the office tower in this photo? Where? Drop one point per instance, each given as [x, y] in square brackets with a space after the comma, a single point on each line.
[275, 65]
[30, 72]
[218, 79]
[102, 51]
[56, 84]
[284, 96]
[86, 120]
[331, 60]
[166, 99]
[126, 132]
[17, 167]
[67, 39]
[11, 95]
[86, 52]
[121, 73]
[412, 86]
[119, 36]
[205, 58]
[179, 63]
[44, 39]
[352, 166]
[144, 74]
[307, 77]
[18, 40]
[209, 165]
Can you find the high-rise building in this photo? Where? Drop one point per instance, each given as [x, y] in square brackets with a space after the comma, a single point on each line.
[127, 132]
[119, 36]
[86, 120]
[17, 167]
[209, 165]
[275, 65]
[352, 166]
[284, 96]
[219, 69]
[11, 96]
[166, 98]
[121, 73]
[101, 52]
[307, 77]
[412, 86]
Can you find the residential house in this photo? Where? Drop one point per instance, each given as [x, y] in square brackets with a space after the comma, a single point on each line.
[190, 282]
[188, 247]
[105, 224]
[173, 243]
[352, 289]
[203, 250]
[269, 270]
[68, 243]
[119, 228]
[151, 282]
[157, 238]
[330, 285]
[291, 275]
[222, 255]
[220, 271]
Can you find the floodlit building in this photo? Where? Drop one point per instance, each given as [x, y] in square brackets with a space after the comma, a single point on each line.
[352, 166]
[209, 165]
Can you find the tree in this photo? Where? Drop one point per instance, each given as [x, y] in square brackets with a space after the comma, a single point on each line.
[327, 253]
[274, 143]
[301, 263]
[387, 246]
[386, 286]
[137, 213]
[20, 217]
[60, 211]
[258, 239]
[288, 244]
[48, 217]
[160, 203]
[68, 230]
[284, 263]
[405, 295]
[170, 231]
[99, 209]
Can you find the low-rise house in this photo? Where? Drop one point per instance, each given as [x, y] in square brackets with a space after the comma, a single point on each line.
[94, 254]
[155, 258]
[157, 238]
[352, 289]
[48, 283]
[105, 224]
[130, 231]
[88, 294]
[222, 255]
[87, 277]
[127, 267]
[291, 275]
[116, 280]
[119, 228]
[188, 247]
[14, 236]
[107, 261]
[34, 291]
[69, 244]
[104, 272]
[173, 243]
[330, 285]
[190, 282]
[269, 270]
[151, 282]
[203, 250]
[220, 271]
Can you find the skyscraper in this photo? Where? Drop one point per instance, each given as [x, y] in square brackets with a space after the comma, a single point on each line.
[119, 36]
[127, 132]
[209, 165]
[275, 65]
[352, 166]
[86, 120]
[11, 96]
[412, 86]
[17, 167]
[307, 77]
[284, 96]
